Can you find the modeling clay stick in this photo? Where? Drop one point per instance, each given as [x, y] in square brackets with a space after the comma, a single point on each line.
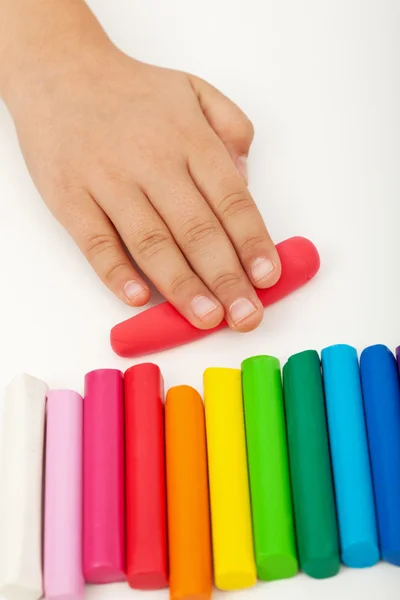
[271, 501]
[21, 485]
[381, 391]
[163, 327]
[234, 565]
[63, 576]
[310, 466]
[103, 477]
[190, 559]
[350, 457]
[146, 518]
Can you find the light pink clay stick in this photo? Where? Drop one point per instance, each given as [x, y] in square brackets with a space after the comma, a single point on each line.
[63, 577]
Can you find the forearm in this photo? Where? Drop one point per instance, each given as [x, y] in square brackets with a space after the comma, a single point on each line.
[37, 32]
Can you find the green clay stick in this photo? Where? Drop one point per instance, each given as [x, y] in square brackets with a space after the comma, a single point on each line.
[273, 528]
[310, 466]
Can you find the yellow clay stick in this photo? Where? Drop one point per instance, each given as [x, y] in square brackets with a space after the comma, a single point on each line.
[234, 564]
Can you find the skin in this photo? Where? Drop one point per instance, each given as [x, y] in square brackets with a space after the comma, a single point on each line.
[145, 167]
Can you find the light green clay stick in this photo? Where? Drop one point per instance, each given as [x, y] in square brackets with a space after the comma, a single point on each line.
[271, 503]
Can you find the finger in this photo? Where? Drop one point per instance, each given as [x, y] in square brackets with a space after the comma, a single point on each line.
[228, 121]
[224, 189]
[207, 248]
[98, 240]
[152, 246]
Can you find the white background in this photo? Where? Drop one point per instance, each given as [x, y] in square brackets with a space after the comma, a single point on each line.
[321, 82]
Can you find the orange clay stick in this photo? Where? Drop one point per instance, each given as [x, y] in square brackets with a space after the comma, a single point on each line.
[189, 536]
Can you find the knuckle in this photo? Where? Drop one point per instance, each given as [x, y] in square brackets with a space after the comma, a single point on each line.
[251, 244]
[243, 129]
[117, 177]
[198, 233]
[104, 248]
[250, 131]
[113, 271]
[152, 242]
[199, 146]
[66, 200]
[225, 282]
[111, 175]
[236, 204]
[180, 282]
[99, 244]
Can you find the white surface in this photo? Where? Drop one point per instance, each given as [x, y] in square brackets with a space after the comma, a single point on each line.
[321, 82]
[22, 450]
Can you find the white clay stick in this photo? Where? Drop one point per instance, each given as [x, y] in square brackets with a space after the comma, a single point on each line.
[21, 489]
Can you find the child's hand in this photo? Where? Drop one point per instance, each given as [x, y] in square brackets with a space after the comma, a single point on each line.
[120, 149]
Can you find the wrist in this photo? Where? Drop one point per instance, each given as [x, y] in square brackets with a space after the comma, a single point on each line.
[45, 40]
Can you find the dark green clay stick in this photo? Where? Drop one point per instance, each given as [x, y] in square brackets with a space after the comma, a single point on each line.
[271, 502]
[310, 466]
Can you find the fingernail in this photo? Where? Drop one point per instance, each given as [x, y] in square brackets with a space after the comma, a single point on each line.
[202, 306]
[132, 289]
[260, 268]
[241, 309]
[241, 165]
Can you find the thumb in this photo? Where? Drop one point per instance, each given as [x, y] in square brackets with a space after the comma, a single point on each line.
[229, 122]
